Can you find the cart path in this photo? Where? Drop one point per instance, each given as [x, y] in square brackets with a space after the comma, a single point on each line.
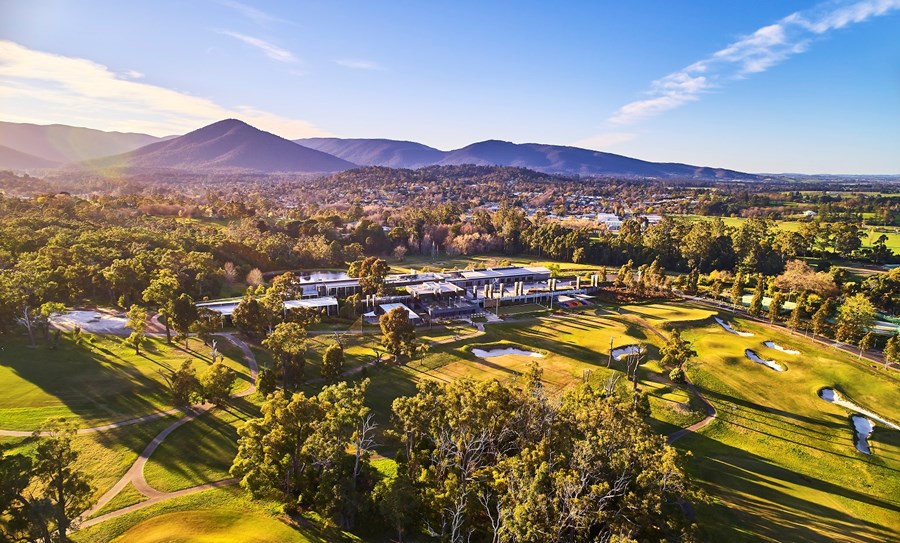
[135, 473]
[710, 410]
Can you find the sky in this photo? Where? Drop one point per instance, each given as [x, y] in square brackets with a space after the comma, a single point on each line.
[788, 86]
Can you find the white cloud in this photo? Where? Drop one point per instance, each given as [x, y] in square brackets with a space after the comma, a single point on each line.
[133, 74]
[271, 50]
[43, 87]
[751, 54]
[358, 64]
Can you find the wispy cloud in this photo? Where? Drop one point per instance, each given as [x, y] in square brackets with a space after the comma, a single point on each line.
[271, 50]
[42, 87]
[358, 64]
[256, 15]
[749, 55]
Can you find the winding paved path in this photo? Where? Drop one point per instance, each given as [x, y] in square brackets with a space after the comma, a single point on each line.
[710, 410]
[135, 473]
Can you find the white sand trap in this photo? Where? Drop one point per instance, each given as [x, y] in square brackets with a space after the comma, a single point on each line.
[480, 353]
[863, 427]
[777, 347]
[728, 327]
[622, 352]
[833, 396]
[769, 363]
[94, 322]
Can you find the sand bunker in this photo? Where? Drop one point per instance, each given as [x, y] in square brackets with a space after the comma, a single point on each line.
[728, 327]
[863, 428]
[480, 353]
[94, 322]
[622, 352]
[777, 347]
[833, 396]
[768, 363]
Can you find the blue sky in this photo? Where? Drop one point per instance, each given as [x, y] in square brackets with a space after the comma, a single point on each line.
[757, 86]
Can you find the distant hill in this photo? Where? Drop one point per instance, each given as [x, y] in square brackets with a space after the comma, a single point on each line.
[60, 143]
[10, 159]
[552, 159]
[564, 160]
[226, 145]
[377, 152]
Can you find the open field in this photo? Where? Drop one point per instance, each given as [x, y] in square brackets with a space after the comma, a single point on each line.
[94, 383]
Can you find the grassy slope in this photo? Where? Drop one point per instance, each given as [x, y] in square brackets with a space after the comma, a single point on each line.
[219, 515]
[201, 451]
[781, 462]
[93, 383]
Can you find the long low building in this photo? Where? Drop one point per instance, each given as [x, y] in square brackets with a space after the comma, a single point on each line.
[328, 304]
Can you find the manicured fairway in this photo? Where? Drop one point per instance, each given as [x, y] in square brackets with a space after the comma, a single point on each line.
[780, 463]
[217, 515]
[211, 527]
[96, 382]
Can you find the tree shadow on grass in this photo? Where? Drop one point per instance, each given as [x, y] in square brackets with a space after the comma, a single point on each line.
[90, 381]
[755, 501]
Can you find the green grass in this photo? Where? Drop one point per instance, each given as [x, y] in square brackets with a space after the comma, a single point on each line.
[445, 333]
[522, 310]
[217, 515]
[780, 462]
[93, 383]
[128, 496]
[201, 451]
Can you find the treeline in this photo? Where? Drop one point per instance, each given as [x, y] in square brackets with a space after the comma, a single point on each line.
[476, 461]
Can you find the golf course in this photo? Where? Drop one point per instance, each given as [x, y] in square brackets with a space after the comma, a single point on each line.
[775, 463]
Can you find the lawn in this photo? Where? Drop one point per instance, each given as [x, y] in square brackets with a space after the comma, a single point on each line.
[217, 515]
[95, 382]
[200, 451]
[105, 456]
[780, 462]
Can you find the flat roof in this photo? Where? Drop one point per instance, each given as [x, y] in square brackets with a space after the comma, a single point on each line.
[388, 307]
[226, 307]
[324, 301]
[500, 273]
[432, 287]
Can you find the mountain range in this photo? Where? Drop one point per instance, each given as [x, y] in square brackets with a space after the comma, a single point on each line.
[232, 145]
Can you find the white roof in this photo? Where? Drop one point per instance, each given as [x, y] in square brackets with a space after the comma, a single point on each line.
[501, 273]
[226, 307]
[324, 301]
[388, 307]
[432, 287]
